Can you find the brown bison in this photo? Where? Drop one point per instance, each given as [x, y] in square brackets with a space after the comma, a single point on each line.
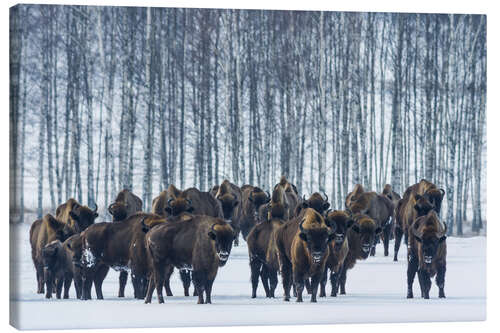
[248, 213]
[390, 194]
[202, 245]
[125, 205]
[42, 232]
[57, 268]
[291, 196]
[174, 202]
[352, 196]
[339, 221]
[315, 202]
[380, 209]
[229, 196]
[119, 246]
[361, 237]
[427, 254]
[259, 241]
[303, 250]
[78, 217]
[417, 200]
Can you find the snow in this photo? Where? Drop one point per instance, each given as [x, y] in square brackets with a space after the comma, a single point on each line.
[376, 292]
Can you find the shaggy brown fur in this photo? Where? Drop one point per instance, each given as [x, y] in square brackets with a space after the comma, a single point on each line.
[427, 253]
[352, 196]
[229, 196]
[361, 237]
[424, 194]
[315, 201]
[303, 250]
[259, 241]
[78, 217]
[42, 232]
[249, 213]
[339, 221]
[202, 244]
[380, 209]
[291, 196]
[125, 205]
[121, 247]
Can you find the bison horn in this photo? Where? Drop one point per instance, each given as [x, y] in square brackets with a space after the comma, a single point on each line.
[301, 227]
[95, 209]
[109, 208]
[268, 194]
[326, 196]
[304, 197]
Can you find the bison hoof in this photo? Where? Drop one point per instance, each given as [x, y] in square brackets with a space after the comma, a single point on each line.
[442, 296]
[313, 300]
[395, 259]
[299, 300]
[287, 299]
[409, 295]
[254, 296]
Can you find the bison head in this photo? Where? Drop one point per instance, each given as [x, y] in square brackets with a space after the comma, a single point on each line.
[435, 197]
[316, 240]
[367, 230]
[428, 237]
[228, 201]
[340, 222]
[178, 205]
[118, 210]
[258, 198]
[222, 234]
[422, 205]
[83, 217]
[316, 202]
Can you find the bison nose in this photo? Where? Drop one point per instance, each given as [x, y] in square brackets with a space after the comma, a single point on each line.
[316, 256]
[427, 259]
[366, 247]
[223, 255]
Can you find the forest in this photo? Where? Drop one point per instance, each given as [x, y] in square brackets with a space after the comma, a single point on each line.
[106, 98]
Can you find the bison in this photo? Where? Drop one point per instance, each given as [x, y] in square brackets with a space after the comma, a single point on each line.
[117, 245]
[303, 250]
[259, 241]
[341, 222]
[291, 196]
[78, 217]
[352, 196]
[361, 237]
[380, 209]
[416, 201]
[202, 244]
[427, 254]
[57, 268]
[248, 213]
[42, 232]
[125, 205]
[315, 202]
[229, 196]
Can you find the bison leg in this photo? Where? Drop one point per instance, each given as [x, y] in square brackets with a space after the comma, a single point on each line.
[410, 274]
[299, 286]
[398, 233]
[342, 279]
[208, 291]
[315, 279]
[425, 283]
[159, 274]
[49, 281]
[387, 236]
[123, 282]
[39, 280]
[99, 277]
[186, 280]
[307, 284]
[59, 287]
[68, 278]
[255, 266]
[78, 285]
[169, 270]
[324, 277]
[149, 293]
[334, 282]
[86, 288]
[286, 276]
[273, 280]
[264, 276]
[199, 280]
[374, 246]
[441, 272]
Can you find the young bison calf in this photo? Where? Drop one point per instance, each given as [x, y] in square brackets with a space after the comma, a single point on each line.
[57, 268]
[303, 250]
[427, 254]
[202, 245]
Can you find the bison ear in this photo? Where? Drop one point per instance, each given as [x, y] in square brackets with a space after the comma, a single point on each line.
[418, 239]
[442, 239]
[212, 235]
[378, 231]
[190, 209]
[96, 215]
[235, 203]
[303, 236]
[355, 227]
[250, 198]
[68, 245]
[350, 223]
[326, 205]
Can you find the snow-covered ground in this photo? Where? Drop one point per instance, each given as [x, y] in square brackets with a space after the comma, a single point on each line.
[376, 292]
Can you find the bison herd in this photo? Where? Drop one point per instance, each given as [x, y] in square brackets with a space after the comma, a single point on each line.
[300, 238]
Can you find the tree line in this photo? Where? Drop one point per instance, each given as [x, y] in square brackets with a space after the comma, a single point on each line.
[106, 98]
